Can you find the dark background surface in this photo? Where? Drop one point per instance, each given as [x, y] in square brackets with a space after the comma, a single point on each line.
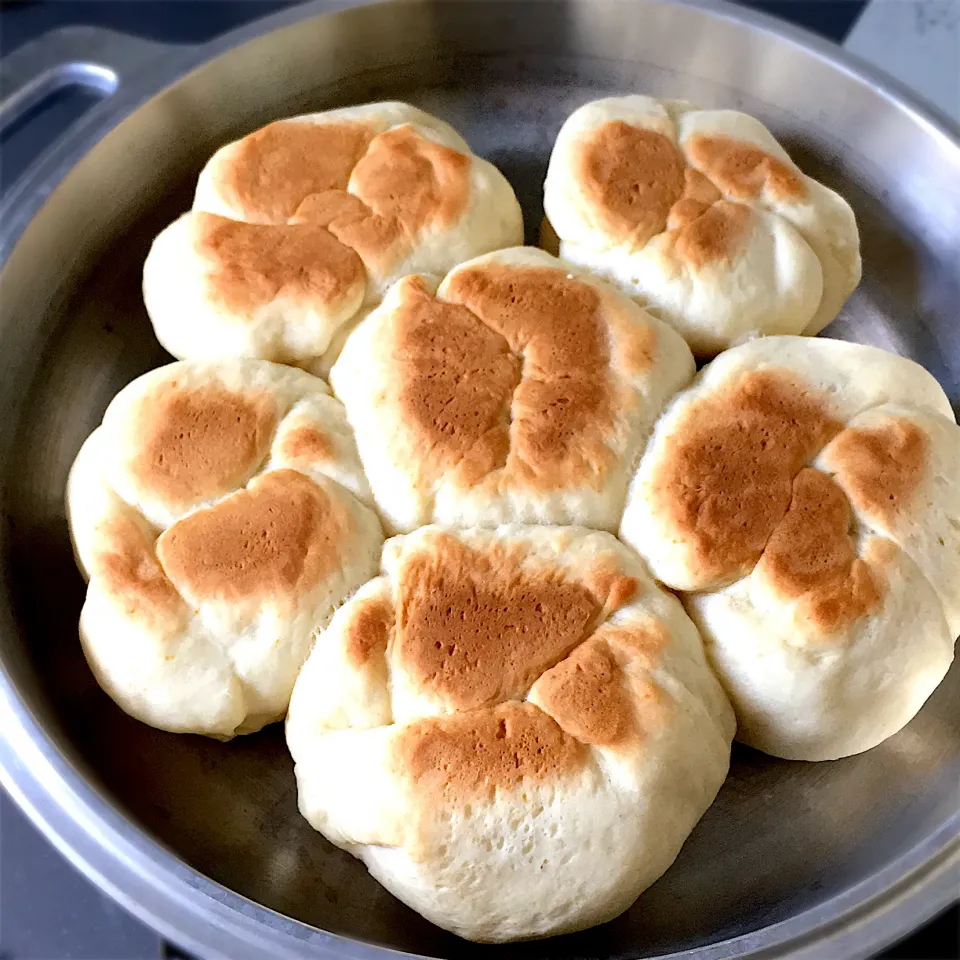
[47, 910]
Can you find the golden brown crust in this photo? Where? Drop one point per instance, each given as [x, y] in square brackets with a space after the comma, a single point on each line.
[835, 606]
[197, 443]
[307, 445]
[811, 546]
[698, 195]
[403, 184]
[727, 476]
[714, 235]
[639, 185]
[268, 173]
[564, 407]
[369, 632]
[331, 209]
[412, 180]
[642, 642]
[457, 378]
[632, 177]
[635, 343]
[473, 628]
[459, 759]
[605, 581]
[278, 538]
[255, 264]
[638, 344]
[295, 175]
[811, 554]
[882, 467]
[697, 188]
[378, 241]
[480, 629]
[638, 649]
[126, 569]
[585, 694]
[744, 171]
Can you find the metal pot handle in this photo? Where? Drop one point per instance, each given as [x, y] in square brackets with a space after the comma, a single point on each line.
[103, 60]
[92, 57]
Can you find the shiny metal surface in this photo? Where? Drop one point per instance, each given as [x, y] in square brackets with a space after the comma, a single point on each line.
[203, 839]
[73, 56]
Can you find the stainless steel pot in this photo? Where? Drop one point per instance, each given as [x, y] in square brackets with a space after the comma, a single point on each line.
[202, 840]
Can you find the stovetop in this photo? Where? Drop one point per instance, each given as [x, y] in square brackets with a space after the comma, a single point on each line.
[48, 911]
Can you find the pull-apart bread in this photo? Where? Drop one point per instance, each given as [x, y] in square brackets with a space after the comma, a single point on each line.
[299, 227]
[218, 516]
[514, 729]
[516, 391]
[702, 215]
[806, 495]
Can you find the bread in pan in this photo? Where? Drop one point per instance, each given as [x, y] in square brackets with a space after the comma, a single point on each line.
[805, 493]
[219, 516]
[517, 390]
[703, 217]
[514, 729]
[298, 228]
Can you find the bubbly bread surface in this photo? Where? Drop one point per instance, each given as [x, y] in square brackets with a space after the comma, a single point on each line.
[702, 216]
[502, 712]
[299, 227]
[805, 494]
[514, 729]
[517, 390]
[218, 514]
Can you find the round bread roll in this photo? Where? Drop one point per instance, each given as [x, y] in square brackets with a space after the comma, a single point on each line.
[807, 495]
[299, 227]
[517, 391]
[217, 515]
[701, 214]
[514, 729]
